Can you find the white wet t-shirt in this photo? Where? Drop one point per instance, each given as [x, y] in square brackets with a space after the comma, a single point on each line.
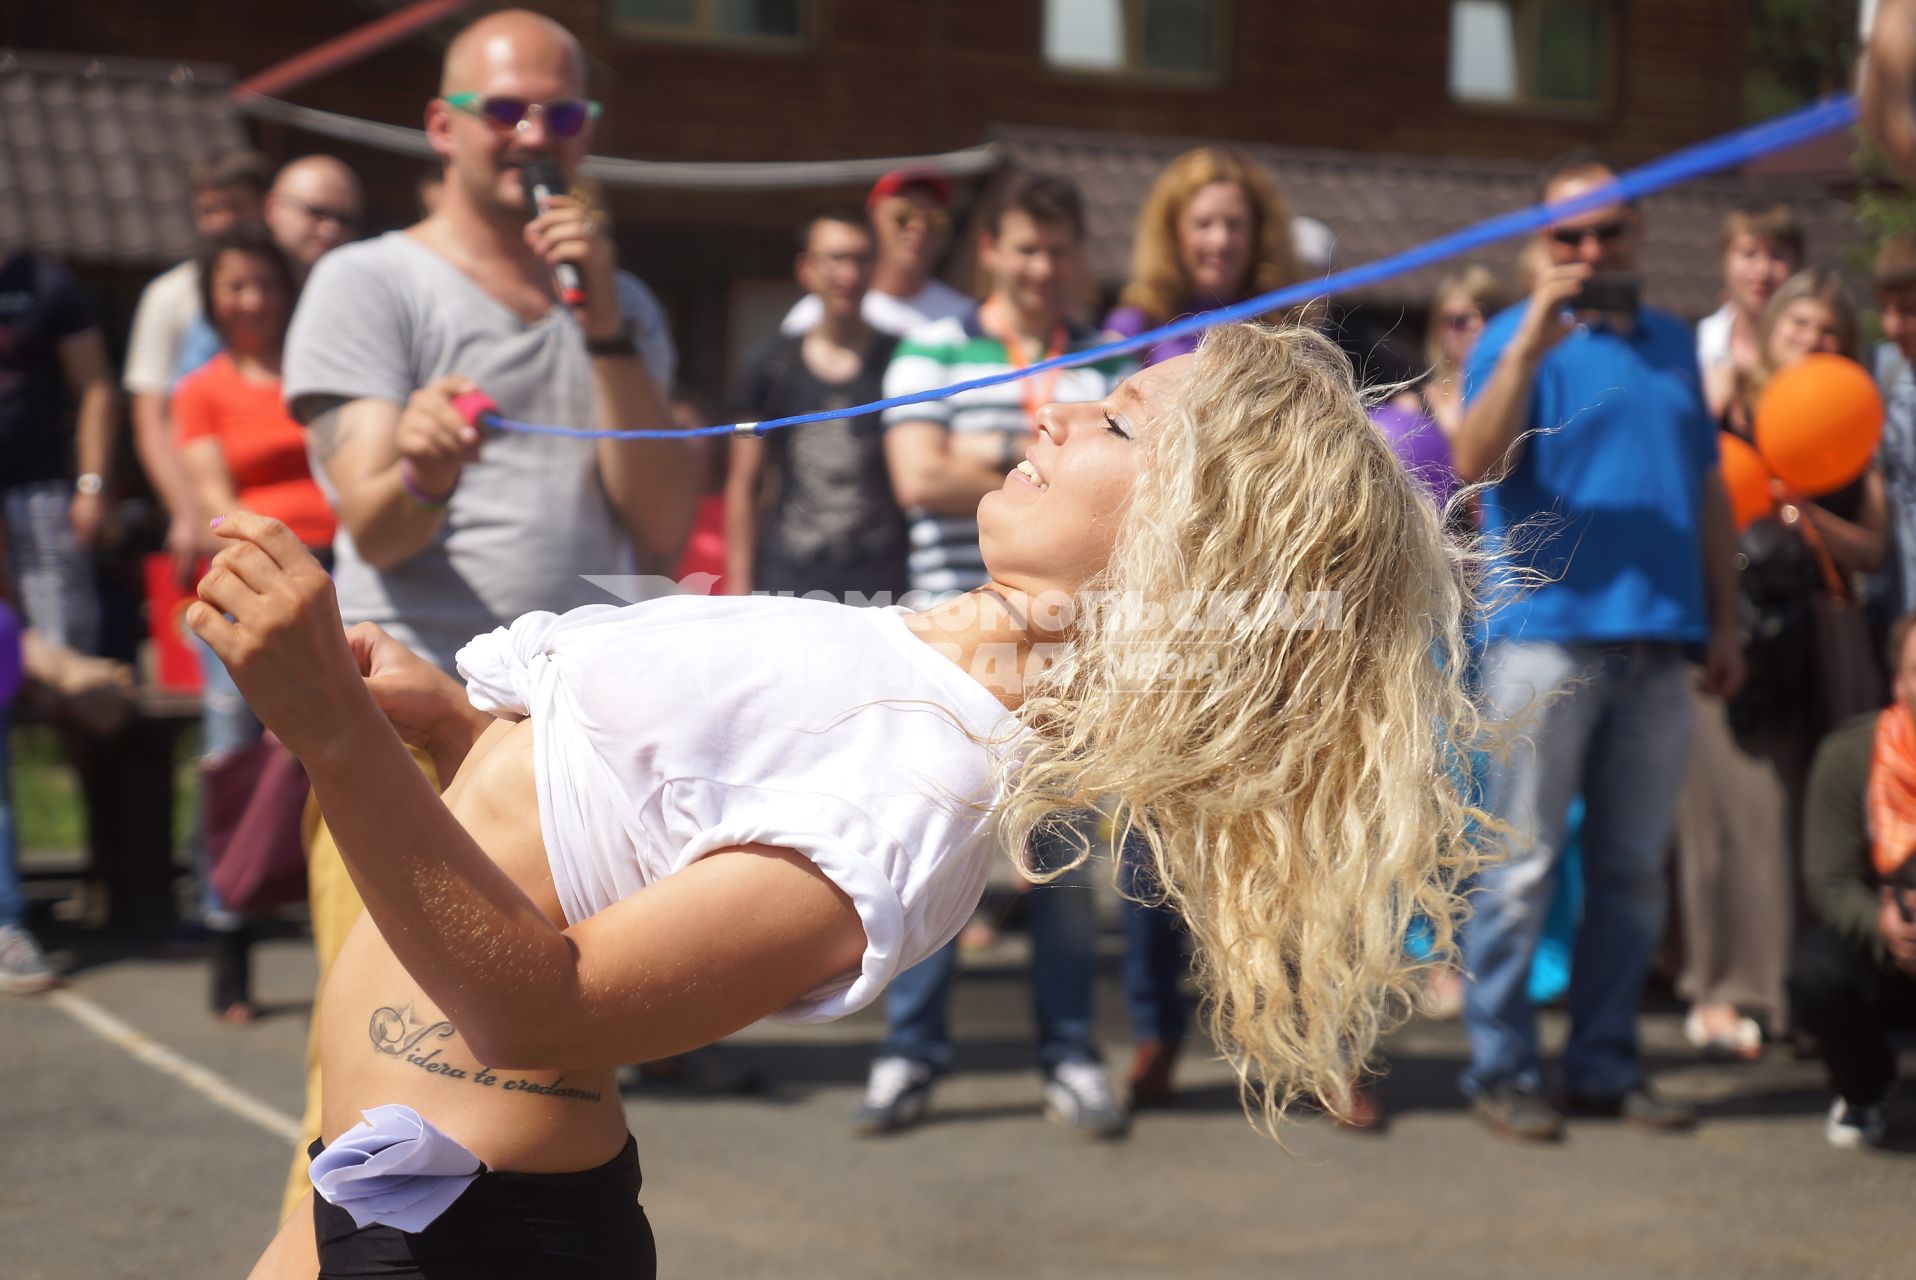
[665, 730]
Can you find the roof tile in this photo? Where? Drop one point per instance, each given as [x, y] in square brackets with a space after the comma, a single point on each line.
[94, 153]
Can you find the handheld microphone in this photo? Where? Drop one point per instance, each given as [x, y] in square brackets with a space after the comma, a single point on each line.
[542, 182]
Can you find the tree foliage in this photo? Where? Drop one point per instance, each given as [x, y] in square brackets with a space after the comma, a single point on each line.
[1796, 51]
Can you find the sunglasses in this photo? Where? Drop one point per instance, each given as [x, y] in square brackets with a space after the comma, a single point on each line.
[1605, 232]
[565, 117]
[934, 219]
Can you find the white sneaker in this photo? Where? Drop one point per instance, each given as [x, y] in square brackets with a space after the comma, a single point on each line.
[23, 966]
[1850, 1128]
[1078, 1095]
[897, 1095]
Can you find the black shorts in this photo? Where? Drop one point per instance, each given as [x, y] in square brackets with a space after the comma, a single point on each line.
[587, 1225]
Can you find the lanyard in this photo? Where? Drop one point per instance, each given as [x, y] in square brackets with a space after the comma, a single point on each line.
[1037, 391]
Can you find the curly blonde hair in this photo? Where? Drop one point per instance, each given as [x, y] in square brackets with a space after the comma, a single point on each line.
[1159, 286]
[1303, 786]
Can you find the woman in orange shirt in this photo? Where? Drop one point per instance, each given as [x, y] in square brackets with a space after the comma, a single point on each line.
[240, 446]
[242, 449]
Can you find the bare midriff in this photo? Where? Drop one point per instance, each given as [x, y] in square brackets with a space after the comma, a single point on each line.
[383, 1040]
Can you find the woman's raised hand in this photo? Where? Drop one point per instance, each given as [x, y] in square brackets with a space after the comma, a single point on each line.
[267, 608]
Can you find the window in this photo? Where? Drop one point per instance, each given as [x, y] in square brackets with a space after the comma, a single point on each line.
[1176, 38]
[747, 21]
[1553, 53]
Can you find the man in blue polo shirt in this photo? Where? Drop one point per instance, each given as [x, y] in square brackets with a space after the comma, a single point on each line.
[1586, 411]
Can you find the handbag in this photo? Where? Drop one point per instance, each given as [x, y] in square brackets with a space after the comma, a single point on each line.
[1776, 582]
[255, 798]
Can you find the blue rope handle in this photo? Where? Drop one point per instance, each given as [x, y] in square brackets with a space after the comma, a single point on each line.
[1679, 166]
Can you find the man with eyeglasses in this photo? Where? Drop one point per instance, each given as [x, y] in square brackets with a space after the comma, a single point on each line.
[445, 533]
[909, 220]
[1584, 413]
[314, 206]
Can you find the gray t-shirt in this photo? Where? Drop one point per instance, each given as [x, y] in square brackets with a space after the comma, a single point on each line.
[384, 317]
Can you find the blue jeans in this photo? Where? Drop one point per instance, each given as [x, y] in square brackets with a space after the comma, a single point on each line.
[227, 725]
[1064, 933]
[13, 908]
[1612, 721]
[1154, 962]
[54, 571]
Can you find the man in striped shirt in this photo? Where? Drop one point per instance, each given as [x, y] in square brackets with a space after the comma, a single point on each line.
[945, 455]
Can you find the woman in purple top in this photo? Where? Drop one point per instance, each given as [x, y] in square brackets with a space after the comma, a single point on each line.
[1421, 421]
[1417, 442]
[1212, 232]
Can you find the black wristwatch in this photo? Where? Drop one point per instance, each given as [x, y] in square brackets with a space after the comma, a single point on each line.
[623, 341]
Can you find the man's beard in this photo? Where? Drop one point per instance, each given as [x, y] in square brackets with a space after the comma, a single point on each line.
[496, 198]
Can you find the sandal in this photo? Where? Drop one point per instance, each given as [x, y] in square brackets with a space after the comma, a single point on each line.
[1744, 1044]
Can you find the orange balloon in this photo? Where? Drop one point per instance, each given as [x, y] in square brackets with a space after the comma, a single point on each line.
[1746, 478]
[1818, 423]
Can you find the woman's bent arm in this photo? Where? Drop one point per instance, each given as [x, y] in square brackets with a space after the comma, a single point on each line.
[713, 948]
[734, 937]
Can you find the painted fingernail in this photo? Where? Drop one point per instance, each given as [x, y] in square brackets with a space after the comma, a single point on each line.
[216, 521]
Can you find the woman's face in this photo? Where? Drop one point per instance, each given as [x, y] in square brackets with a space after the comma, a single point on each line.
[1806, 325]
[249, 301]
[1752, 271]
[1460, 321]
[1052, 525]
[1215, 232]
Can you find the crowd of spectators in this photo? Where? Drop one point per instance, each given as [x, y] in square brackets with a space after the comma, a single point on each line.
[1709, 699]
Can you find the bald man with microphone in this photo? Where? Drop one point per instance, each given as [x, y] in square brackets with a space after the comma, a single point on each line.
[510, 286]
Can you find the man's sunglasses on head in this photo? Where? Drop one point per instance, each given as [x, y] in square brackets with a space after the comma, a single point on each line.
[564, 116]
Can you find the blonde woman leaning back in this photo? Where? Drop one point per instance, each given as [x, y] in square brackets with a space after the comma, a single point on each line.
[1215, 597]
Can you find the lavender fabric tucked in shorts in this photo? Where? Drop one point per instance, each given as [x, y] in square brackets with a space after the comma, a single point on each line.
[394, 1168]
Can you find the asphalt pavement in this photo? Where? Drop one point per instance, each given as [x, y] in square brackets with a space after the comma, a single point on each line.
[139, 1137]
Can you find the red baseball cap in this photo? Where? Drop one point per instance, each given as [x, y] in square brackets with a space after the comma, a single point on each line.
[934, 182]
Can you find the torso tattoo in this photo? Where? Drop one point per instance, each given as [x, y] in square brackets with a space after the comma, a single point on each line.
[399, 1033]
